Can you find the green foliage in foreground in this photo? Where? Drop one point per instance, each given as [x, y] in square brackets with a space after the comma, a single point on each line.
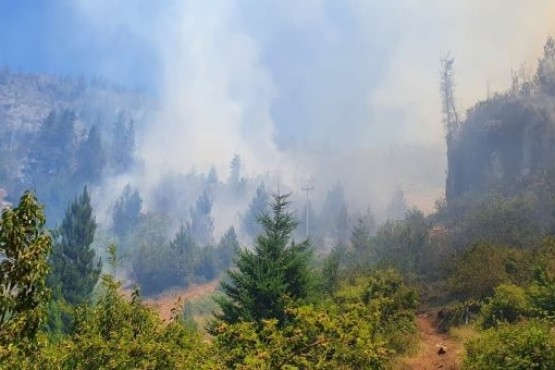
[359, 329]
[527, 345]
[24, 249]
[525, 282]
[114, 334]
[509, 304]
[362, 326]
[519, 322]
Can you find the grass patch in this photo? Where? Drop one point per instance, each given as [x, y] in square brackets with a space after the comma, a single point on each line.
[199, 311]
[463, 333]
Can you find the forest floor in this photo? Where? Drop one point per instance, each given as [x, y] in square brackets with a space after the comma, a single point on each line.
[427, 357]
[166, 302]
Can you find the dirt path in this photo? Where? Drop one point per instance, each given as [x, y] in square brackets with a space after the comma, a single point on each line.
[431, 340]
[166, 302]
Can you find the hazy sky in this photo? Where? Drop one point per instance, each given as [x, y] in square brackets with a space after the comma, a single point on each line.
[330, 65]
[251, 76]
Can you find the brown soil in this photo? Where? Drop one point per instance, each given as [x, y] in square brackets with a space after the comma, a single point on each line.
[431, 340]
[176, 298]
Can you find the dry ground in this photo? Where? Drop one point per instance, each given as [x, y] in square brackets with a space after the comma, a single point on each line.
[176, 298]
[427, 357]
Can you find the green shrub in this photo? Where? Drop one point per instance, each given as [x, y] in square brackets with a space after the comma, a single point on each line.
[542, 294]
[457, 315]
[478, 271]
[509, 303]
[369, 320]
[391, 300]
[527, 345]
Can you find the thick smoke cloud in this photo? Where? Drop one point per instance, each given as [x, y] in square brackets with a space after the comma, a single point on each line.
[216, 94]
[322, 90]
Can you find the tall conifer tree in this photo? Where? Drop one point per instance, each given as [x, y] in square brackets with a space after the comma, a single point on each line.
[75, 268]
[275, 270]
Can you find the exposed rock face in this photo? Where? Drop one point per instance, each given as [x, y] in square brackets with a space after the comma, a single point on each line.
[26, 99]
[505, 139]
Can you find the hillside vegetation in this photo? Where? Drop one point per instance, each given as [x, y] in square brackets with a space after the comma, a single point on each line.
[484, 261]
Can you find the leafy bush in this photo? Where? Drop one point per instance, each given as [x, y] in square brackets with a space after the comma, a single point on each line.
[385, 293]
[542, 298]
[118, 334]
[368, 322]
[314, 338]
[457, 314]
[527, 345]
[481, 269]
[508, 304]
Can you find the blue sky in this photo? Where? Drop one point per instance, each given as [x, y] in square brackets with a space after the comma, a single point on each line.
[53, 36]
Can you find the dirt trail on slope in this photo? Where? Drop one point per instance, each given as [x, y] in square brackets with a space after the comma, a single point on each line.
[167, 301]
[427, 357]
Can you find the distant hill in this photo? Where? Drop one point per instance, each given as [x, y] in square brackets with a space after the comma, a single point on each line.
[26, 99]
[33, 104]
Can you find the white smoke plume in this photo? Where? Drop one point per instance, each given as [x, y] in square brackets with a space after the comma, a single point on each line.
[323, 90]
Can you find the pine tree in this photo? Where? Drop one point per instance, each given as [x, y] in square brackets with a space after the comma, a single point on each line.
[341, 226]
[545, 75]
[123, 144]
[360, 237]
[50, 163]
[235, 170]
[127, 212]
[330, 272]
[74, 266]
[227, 248]
[212, 177]
[187, 253]
[360, 254]
[53, 150]
[236, 181]
[90, 158]
[257, 206]
[398, 206]
[447, 87]
[275, 271]
[202, 224]
[334, 218]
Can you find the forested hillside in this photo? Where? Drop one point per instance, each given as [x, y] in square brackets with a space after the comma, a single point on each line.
[63, 133]
[86, 234]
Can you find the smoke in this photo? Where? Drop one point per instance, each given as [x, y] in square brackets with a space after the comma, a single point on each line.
[319, 90]
[487, 40]
[216, 94]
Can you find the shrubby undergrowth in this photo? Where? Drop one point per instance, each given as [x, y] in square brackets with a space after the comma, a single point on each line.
[363, 325]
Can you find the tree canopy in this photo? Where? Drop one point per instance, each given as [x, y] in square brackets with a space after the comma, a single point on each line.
[24, 250]
[275, 270]
[75, 267]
